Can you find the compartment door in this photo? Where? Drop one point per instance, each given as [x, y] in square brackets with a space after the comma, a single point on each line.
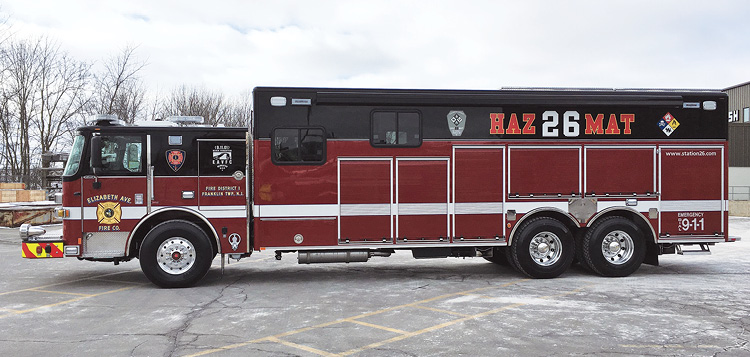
[365, 200]
[692, 192]
[422, 200]
[478, 193]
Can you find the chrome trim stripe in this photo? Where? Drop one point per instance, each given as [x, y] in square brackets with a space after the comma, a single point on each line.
[139, 212]
[478, 208]
[384, 209]
[691, 205]
[326, 210]
[374, 209]
[411, 209]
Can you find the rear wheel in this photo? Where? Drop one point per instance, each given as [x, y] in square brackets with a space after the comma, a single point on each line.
[542, 248]
[175, 254]
[614, 246]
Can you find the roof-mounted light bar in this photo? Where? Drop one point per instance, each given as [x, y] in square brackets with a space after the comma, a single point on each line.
[186, 119]
[104, 120]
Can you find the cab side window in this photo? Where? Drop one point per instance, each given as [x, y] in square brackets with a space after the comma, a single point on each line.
[396, 129]
[299, 146]
[121, 155]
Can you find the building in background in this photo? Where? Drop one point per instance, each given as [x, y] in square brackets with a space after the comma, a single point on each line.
[739, 141]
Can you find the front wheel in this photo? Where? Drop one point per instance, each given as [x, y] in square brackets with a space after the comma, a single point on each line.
[175, 254]
[614, 246]
[542, 248]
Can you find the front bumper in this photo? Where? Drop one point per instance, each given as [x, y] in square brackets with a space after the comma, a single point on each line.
[34, 244]
[35, 250]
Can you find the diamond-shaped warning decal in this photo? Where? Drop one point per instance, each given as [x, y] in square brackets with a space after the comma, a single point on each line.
[674, 124]
[668, 124]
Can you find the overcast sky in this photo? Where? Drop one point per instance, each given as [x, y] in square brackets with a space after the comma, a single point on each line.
[234, 46]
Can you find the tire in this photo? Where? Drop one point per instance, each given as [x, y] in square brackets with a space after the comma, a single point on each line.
[614, 246]
[175, 254]
[498, 257]
[542, 248]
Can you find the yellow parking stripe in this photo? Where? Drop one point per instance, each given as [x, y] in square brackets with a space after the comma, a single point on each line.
[325, 324]
[67, 282]
[118, 281]
[18, 312]
[440, 310]
[428, 329]
[400, 332]
[60, 292]
[300, 347]
[453, 322]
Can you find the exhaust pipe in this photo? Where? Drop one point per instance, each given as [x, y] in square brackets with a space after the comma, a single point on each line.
[345, 256]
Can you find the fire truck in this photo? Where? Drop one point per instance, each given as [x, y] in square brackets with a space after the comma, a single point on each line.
[535, 179]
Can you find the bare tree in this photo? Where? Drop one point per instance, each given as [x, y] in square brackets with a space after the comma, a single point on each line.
[239, 111]
[197, 101]
[42, 90]
[119, 89]
[63, 94]
[22, 71]
[9, 158]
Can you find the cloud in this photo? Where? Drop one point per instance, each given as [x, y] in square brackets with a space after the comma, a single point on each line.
[235, 45]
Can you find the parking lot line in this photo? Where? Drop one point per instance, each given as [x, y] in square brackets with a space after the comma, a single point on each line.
[456, 321]
[60, 292]
[19, 312]
[428, 329]
[300, 347]
[67, 282]
[440, 310]
[367, 314]
[102, 277]
[385, 328]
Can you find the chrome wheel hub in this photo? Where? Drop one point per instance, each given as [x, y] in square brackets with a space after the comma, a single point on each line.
[545, 248]
[176, 255]
[617, 247]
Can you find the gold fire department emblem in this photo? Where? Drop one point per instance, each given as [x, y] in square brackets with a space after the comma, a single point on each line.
[108, 212]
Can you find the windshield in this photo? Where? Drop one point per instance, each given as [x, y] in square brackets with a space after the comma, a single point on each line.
[74, 160]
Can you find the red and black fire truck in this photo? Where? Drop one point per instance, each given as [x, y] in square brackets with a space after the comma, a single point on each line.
[534, 179]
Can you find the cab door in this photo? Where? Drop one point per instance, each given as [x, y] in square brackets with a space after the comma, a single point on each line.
[114, 193]
[222, 188]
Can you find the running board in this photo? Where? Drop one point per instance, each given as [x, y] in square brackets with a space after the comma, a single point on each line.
[703, 251]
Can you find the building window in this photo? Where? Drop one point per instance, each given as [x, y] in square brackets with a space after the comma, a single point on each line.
[400, 129]
[746, 115]
[299, 146]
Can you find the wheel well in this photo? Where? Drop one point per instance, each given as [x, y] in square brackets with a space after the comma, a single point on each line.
[635, 217]
[561, 216]
[146, 225]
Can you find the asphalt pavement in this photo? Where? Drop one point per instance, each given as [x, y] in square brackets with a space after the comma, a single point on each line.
[395, 306]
